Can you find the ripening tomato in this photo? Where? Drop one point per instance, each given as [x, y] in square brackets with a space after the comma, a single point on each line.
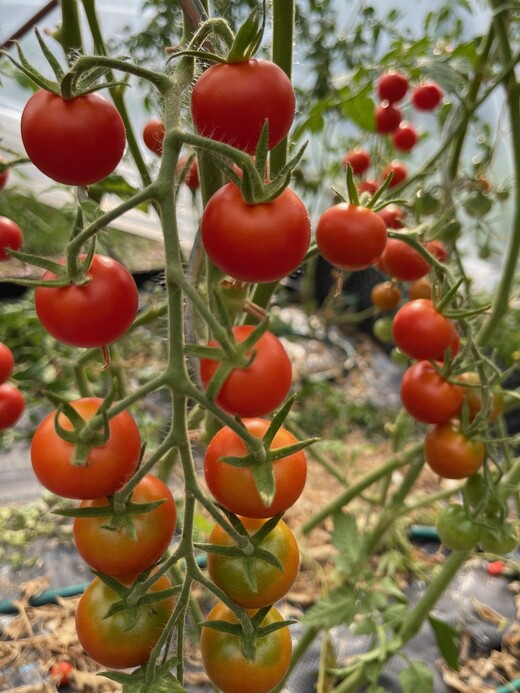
[351, 237]
[60, 673]
[385, 295]
[421, 331]
[437, 249]
[450, 453]
[393, 216]
[227, 667]
[255, 243]
[405, 137]
[359, 160]
[107, 466]
[252, 582]
[427, 96]
[12, 404]
[126, 638]
[191, 175]
[474, 396]
[230, 103]
[11, 237]
[368, 186]
[420, 288]
[6, 362]
[76, 141]
[398, 170]
[260, 387]
[387, 118]
[402, 262]
[427, 396]
[153, 135]
[234, 487]
[456, 530]
[392, 86]
[111, 548]
[92, 314]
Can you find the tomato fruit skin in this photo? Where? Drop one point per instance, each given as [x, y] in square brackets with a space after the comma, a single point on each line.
[6, 362]
[108, 466]
[392, 86]
[393, 216]
[427, 96]
[230, 573]
[255, 243]
[456, 530]
[369, 186]
[4, 176]
[234, 487]
[118, 641]
[398, 170]
[420, 288]
[402, 262]
[473, 396]
[259, 388]
[405, 137]
[499, 539]
[115, 551]
[359, 160]
[427, 396]
[60, 673]
[387, 118]
[191, 177]
[231, 102]
[450, 454]
[385, 295]
[12, 405]
[229, 669]
[92, 314]
[75, 141]
[350, 237]
[153, 135]
[11, 237]
[421, 331]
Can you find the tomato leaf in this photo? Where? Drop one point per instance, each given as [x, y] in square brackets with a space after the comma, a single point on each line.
[139, 680]
[337, 608]
[447, 640]
[263, 475]
[417, 677]
[347, 540]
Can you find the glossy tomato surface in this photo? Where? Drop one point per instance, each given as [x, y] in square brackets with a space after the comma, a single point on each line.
[107, 466]
[75, 141]
[11, 237]
[429, 397]
[405, 137]
[392, 86]
[387, 118]
[92, 314]
[255, 243]
[450, 453]
[401, 261]
[427, 96]
[385, 295]
[234, 487]
[153, 135]
[12, 405]
[230, 103]
[6, 362]
[421, 331]
[359, 160]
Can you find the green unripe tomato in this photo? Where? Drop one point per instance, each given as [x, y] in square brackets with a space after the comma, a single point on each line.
[456, 530]
[382, 330]
[501, 539]
[478, 205]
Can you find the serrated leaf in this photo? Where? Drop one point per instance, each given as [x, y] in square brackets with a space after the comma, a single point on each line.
[339, 607]
[447, 638]
[360, 110]
[346, 539]
[417, 677]
[137, 681]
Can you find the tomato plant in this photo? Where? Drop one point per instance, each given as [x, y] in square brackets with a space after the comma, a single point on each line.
[427, 96]
[92, 313]
[102, 469]
[358, 159]
[427, 396]
[234, 487]
[369, 186]
[77, 141]
[227, 666]
[12, 405]
[153, 135]
[350, 237]
[398, 170]
[450, 453]
[4, 176]
[499, 539]
[393, 216]
[255, 243]
[11, 237]
[421, 331]
[405, 137]
[230, 102]
[250, 581]
[385, 295]
[392, 86]
[191, 175]
[387, 118]
[126, 638]
[456, 530]
[403, 262]
[6, 362]
[474, 396]
[420, 288]
[105, 542]
[260, 387]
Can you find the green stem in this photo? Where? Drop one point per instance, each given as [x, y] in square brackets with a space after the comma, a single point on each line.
[69, 32]
[282, 55]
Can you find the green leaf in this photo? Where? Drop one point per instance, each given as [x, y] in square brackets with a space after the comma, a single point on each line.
[339, 607]
[417, 677]
[346, 539]
[447, 640]
[137, 682]
[360, 110]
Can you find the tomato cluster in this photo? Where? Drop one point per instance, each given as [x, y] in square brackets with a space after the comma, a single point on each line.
[12, 401]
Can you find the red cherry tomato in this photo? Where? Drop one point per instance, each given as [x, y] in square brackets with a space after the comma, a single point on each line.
[420, 288]
[153, 135]
[393, 216]
[60, 673]
[255, 243]
[75, 141]
[398, 170]
[191, 176]
[259, 388]
[107, 467]
[427, 396]
[231, 102]
[234, 487]
[11, 237]
[392, 86]
[387, 118]
[12, 404]
[403, 262]
[359, 161]
[405, 137]
[92, 314]
[451, 454]
[350, 237]
[420, 331]
[427, 96]
[385, 295]
[368, 186]
[4, 176]
[437, 249]
[6, 362]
